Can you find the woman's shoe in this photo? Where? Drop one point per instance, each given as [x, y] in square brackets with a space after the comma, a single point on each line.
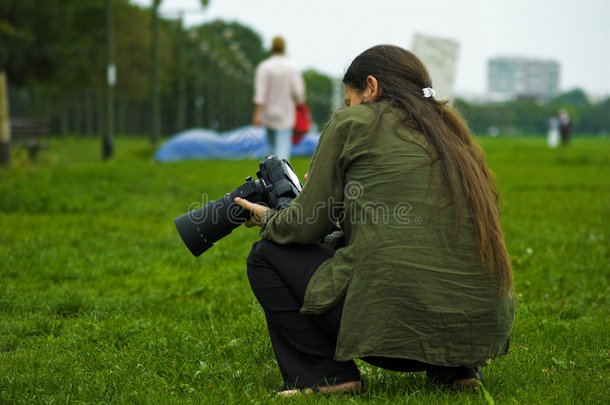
[297, 392]
[470, 383]
[466, 384]
[350, 387]
[460, 378]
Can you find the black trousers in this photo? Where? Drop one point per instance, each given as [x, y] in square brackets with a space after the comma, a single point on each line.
[304, 345]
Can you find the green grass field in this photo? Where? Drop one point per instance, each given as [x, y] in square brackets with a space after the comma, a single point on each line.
[100, 302]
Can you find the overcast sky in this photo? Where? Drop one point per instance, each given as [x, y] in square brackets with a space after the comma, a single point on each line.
[328, 34]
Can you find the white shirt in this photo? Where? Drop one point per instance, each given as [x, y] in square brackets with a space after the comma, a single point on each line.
[278, 87]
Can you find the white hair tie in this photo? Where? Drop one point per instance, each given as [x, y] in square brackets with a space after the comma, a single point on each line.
[428, 92]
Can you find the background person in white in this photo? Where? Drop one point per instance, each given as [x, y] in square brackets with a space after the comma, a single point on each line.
[278, 89]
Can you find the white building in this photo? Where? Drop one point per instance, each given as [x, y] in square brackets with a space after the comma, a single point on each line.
[510, 78]
[440, 56]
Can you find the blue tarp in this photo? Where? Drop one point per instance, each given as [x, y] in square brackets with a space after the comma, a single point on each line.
[247, 142]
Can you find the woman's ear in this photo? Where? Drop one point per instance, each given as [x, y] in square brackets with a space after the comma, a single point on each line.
[372, 90]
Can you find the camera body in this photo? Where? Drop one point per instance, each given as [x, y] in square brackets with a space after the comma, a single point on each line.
[277, 185]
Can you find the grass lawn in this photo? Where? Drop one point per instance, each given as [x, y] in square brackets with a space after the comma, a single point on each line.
[101, 302]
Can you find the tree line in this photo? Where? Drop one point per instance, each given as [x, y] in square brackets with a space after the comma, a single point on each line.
[53, 54]
[528, 116]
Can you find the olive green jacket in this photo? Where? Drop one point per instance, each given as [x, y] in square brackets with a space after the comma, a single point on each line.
[413, 287]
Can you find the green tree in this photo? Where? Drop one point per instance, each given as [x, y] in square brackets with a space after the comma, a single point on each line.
[575, 97]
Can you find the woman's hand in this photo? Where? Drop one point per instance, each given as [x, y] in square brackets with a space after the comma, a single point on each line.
[257, 211]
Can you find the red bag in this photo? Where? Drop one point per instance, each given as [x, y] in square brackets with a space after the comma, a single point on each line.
[302, 123]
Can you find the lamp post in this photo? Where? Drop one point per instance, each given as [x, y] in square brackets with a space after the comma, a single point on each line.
[155, 90]
[108, 138]
[204, 48]
[198, 85]
[181, 113]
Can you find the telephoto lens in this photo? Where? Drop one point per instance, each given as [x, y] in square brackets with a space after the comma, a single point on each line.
[276, 187]
[200, 229]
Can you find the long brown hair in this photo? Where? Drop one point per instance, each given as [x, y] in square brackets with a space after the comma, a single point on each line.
[402, 78]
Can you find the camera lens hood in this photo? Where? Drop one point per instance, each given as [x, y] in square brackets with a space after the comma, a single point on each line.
[191, 233]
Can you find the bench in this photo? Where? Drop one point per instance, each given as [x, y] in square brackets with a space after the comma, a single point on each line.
[27, 133]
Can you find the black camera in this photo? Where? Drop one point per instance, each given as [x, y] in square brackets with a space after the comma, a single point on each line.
[276, 187]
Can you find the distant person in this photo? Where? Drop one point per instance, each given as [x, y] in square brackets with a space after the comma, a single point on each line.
[553, 134]
[423, 280]
[565, 127]
[278, 89]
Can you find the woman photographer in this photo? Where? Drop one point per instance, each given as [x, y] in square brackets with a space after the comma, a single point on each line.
[424, 281]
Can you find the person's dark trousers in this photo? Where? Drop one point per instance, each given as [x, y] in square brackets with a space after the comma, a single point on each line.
[304, 345]
[565, 133]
